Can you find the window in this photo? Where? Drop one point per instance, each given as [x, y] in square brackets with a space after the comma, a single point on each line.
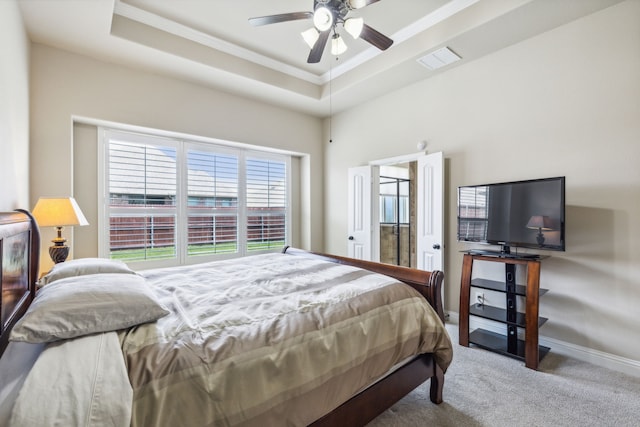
[170, 201]
[394, 200]
[266, 204]
[389, 209]
[212, 207]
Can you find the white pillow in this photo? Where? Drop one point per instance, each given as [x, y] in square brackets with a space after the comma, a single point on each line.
[84, 305]
[84, 266]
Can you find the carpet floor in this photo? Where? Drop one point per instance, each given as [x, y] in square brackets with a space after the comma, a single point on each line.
[486, 389]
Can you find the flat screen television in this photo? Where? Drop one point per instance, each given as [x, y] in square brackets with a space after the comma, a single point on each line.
[520, 214]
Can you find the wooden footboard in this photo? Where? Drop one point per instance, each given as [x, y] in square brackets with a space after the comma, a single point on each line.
[371, 402]
[428, 283]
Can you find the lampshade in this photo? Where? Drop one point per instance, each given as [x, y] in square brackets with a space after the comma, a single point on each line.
[322, 18]
[52, 212]
[310, 37]
[354, 26]
[338, 46]
[540, 221]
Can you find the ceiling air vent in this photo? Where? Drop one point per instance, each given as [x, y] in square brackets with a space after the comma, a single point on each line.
[439, 58]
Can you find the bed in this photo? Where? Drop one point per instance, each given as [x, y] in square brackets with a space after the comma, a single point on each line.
[335, 341]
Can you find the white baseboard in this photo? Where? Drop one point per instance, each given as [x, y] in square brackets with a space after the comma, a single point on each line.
[600, 358]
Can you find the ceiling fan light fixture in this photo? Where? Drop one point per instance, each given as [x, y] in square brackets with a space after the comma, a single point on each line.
[338, 46]
[322, 18]
[354, 26]
[310, 37]
[357, 4]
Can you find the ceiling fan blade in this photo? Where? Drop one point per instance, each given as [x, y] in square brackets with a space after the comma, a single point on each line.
[375, 37]
[316, 53]
[283, 17]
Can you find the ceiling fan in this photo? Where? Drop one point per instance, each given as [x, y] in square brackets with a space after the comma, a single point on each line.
[326, 15]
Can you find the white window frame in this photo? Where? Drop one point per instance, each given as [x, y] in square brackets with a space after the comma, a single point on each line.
[182, 145]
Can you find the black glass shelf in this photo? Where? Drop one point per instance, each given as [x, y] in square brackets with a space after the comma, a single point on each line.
[500, 315]
[498, 343]
[494, 285]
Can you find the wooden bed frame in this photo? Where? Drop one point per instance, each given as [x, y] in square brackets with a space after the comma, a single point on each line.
[19, 272]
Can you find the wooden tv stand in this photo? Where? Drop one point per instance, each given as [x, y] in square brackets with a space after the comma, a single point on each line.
[507, 344]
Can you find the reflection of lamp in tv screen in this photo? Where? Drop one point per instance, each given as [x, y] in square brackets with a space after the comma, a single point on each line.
[541, 223]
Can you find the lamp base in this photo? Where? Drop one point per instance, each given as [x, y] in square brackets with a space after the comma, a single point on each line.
[59, 251]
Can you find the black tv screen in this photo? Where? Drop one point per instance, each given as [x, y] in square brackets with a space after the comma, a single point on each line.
[526, 214]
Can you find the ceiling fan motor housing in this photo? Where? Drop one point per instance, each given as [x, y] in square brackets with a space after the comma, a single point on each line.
[339, 8]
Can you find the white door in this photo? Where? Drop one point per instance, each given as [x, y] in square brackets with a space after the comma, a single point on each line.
[363, 225]
[430, 212]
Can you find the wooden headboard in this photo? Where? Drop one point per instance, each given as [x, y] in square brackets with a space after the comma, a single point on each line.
[19, 263]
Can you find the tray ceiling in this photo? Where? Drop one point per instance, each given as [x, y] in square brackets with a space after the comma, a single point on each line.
[210, 42]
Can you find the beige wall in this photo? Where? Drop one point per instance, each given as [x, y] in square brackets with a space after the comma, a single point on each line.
[66, 85]
[14, 109]
[564, 103]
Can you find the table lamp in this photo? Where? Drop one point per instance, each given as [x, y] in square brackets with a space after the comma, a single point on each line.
[52, 212]
[541, 223]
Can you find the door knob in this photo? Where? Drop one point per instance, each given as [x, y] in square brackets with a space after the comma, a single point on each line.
[436, 246]
[350, 237]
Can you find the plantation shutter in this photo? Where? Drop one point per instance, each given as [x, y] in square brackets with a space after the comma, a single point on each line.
[266, 203]
[142, 183]
[212, 186]
[167, 201]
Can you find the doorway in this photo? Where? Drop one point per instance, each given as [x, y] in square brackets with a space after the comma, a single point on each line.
[363, 238]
